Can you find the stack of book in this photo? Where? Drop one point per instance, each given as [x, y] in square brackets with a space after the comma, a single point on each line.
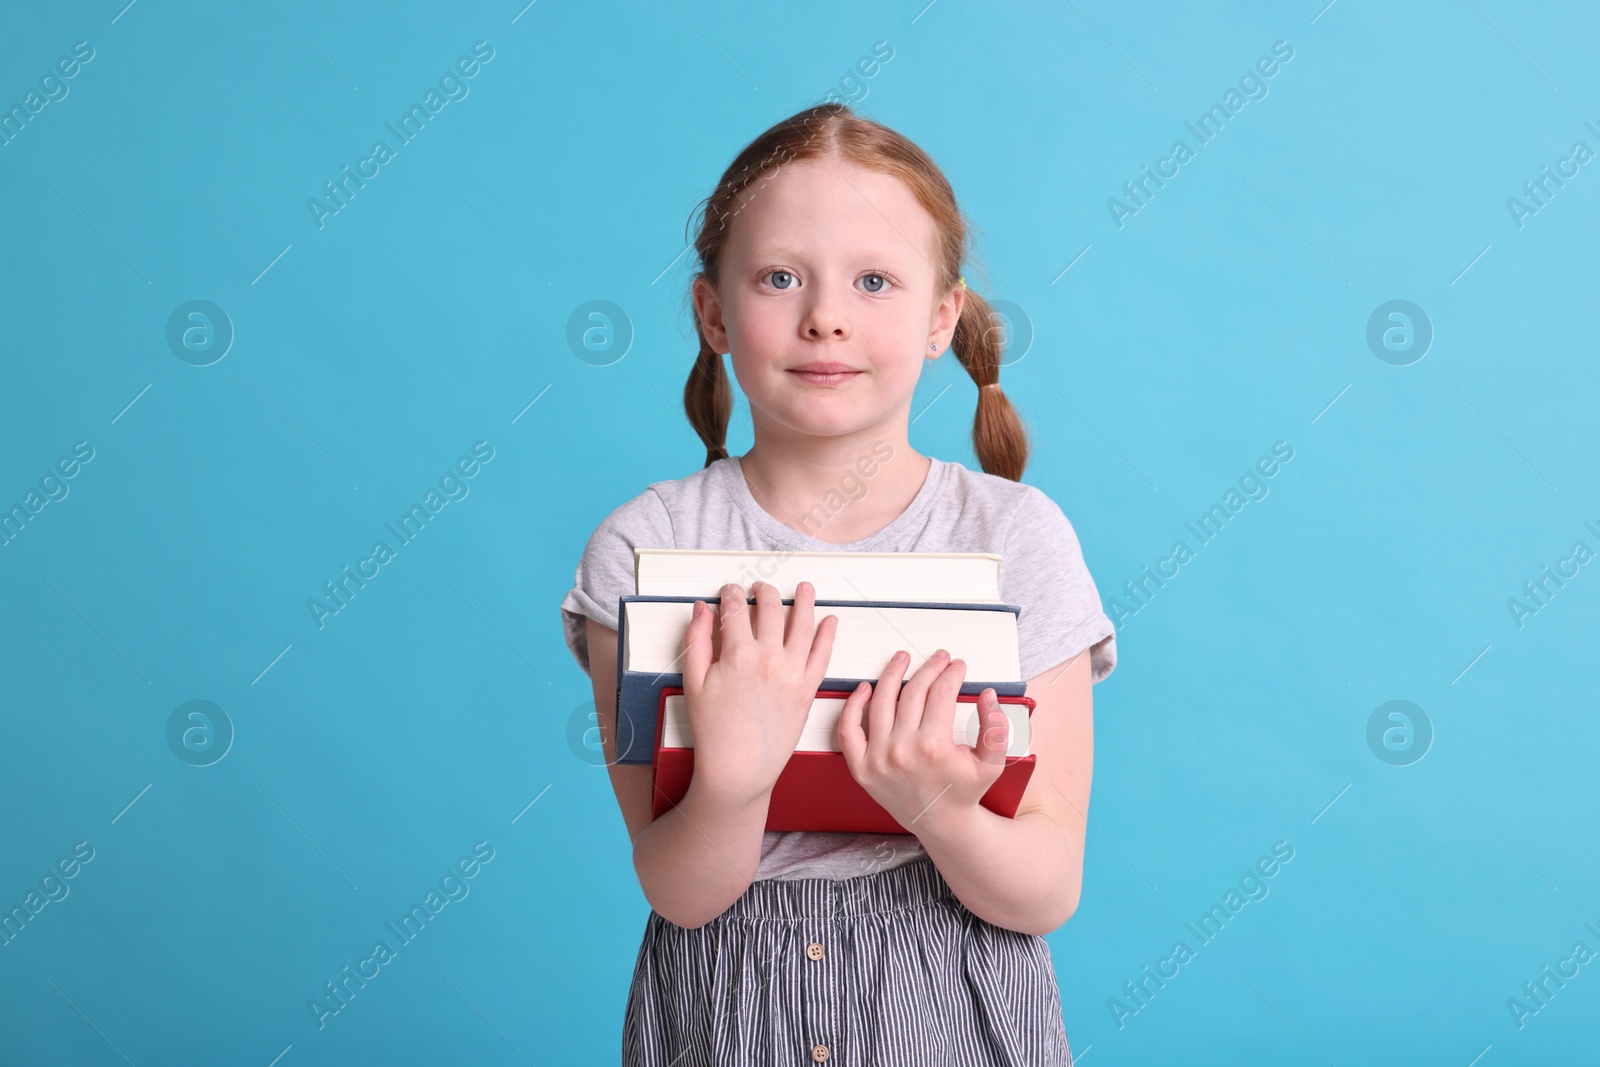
[885, 601]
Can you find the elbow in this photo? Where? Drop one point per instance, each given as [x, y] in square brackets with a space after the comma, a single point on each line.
[1063, 909]
[685, 917]
[1070, 908]
[672, 905]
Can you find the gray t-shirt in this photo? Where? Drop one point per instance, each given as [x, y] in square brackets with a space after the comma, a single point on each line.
[956, 510]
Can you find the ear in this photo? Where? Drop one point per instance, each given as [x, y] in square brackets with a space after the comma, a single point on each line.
[709, 310]
[945, 317]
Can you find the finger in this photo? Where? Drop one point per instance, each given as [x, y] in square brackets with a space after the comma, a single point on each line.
[821, 651]
[909, 716]
[885, 695]
[939, 710]
[852, 741]
[995, 737]
[802, 617]
[733, 615]
[697, 647]
[766, 617]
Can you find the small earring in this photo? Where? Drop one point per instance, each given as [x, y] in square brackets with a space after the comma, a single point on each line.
[933, 347]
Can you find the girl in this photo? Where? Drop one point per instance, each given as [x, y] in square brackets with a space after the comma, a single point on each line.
[830, 269]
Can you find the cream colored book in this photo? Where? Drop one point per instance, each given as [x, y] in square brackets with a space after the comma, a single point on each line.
[955, 577]
[985, 637]
[821, 732]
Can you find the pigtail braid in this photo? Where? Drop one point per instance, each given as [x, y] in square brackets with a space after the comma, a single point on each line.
[708, 401]
[998, 436]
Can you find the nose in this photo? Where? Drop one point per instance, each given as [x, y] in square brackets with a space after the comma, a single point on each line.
[825, 317]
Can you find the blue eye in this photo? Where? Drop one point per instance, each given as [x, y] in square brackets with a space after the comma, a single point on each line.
[881, 283]
[778, 273]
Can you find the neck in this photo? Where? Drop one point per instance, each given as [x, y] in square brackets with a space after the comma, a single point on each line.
[836, 489]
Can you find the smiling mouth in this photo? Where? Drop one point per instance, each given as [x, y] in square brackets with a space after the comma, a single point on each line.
[825, 374]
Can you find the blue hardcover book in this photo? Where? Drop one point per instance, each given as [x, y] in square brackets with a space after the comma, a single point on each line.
[918, 626]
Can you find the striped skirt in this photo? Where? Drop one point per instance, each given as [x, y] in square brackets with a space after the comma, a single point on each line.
[881, 970]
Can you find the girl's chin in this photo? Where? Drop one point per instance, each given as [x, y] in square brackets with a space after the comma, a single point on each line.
[809, 419]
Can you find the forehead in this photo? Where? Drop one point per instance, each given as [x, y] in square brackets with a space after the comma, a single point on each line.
[831, 207]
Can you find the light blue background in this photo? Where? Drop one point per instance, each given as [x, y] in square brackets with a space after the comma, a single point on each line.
[1228, 314]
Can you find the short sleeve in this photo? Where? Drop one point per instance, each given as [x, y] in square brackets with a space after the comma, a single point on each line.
[605, 571]
[1042, 570]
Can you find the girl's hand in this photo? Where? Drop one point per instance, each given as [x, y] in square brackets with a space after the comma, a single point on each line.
[748, 700]
[908, 760]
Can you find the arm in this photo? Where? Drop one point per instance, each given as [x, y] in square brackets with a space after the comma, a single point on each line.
[749, 679]
[699, 857]
[1026, 873]
[1023, 873]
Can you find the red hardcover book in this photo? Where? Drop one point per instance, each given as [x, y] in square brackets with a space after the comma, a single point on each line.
[816, 791]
